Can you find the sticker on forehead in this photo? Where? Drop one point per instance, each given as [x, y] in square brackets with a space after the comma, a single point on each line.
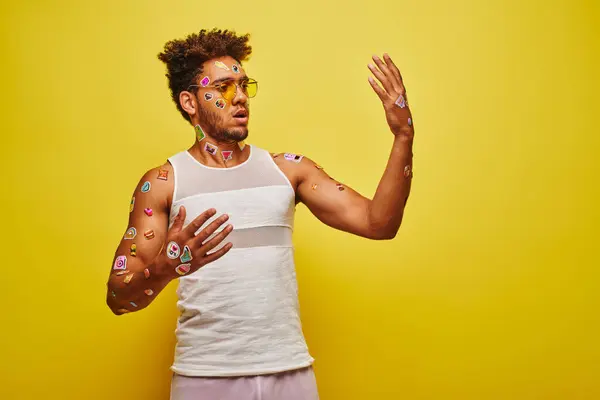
[130, 234]
[293, 157]
[120, 263]
[211, 148]
[220, 103]
[241, 145]
[219, 64]
[173, 250]
[199, 132]
[235, 68]
[132, 204]
[227, 154]
[146, 187]
[205, 81]
[208, 96]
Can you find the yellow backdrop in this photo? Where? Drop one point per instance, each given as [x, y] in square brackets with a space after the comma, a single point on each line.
[490, 290]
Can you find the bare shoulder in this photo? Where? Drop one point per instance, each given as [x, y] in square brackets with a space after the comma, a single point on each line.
[158, 183]
[297, 166]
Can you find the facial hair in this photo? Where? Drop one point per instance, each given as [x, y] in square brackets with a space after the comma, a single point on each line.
[213, 122]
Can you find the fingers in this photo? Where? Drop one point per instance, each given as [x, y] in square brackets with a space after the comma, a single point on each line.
[394, 69]
[209, 230]
[214, 242]
[390, 76]
[380, 92]
[178, 223]
[217, 254]
[384, 81]
[197, 223]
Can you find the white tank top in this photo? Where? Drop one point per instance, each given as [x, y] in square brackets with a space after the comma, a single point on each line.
[240, 314]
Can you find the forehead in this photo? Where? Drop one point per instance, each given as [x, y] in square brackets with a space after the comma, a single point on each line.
[222, 68]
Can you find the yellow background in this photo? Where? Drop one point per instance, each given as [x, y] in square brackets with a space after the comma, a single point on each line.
[490, 290]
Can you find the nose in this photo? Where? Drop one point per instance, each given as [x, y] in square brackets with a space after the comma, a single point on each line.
[240, 96]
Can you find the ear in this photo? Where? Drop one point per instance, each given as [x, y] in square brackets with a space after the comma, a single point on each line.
[188, 102]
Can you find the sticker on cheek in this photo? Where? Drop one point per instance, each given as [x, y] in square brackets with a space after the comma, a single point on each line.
[163, 174]
[128, 278]
[211, 148]
[147, 273]
[220, 103]
[146, 187]
[235, 68]
[149, 292]
[149, 234]
[130, 234]
[183, 269]
[227, 154]
[208, 96]
[401, 101]
[173, 250]
[120, 263]
[132, 204]
[205, 81]
[219, 64]
[133, 250]
[148, 211]
[186, 255]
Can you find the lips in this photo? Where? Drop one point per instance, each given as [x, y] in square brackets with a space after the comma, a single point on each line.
[241, 114]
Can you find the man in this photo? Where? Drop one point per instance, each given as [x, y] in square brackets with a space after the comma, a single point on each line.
[239, 334]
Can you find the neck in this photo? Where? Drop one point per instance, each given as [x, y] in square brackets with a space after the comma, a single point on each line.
[213, 153]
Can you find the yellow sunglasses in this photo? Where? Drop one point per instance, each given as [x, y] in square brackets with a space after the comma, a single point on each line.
[228, 89]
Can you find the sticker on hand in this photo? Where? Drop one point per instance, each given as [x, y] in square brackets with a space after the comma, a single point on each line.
[173, 250]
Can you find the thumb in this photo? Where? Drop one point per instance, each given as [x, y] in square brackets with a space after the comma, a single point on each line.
[179, 219]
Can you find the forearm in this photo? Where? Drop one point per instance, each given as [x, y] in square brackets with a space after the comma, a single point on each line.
[387, 207]
[136, 288]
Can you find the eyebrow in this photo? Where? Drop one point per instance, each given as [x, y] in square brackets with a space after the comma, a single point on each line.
[229, 78]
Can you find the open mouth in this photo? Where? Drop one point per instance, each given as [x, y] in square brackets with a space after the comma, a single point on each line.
[241, 116]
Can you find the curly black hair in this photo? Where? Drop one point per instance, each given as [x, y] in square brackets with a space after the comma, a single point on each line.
[184, 57]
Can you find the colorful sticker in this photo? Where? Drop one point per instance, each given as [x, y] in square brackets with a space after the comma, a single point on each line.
[149, 292]
[146, 187]
[147, 273]
[133, 304]
[130, 234]
[409, 121]
[208, 96]
[133, 250]
[315, 186]
[186, 255]
[293, 157]
[401, 101]
[113, 294]
[132, 204]
[199, 133]
[148, 211]
[241, 145]
[183, 269]
[128, 278]
[219, 64]
[149, 234]
[235, 68]
[205, 81]
[227, 154]
[163, 174]
[173, 250]
[120, 263]
[340, 187]
[407, 171]
[220, 103]
[119, 273]
[211, 148]
[122, 311]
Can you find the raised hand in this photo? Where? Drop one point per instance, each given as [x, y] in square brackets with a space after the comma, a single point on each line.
[393, 96]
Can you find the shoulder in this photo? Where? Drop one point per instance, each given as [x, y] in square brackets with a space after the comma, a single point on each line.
[295, 163]
[158, 182]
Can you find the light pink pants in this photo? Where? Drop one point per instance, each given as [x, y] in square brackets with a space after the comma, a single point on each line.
[299, 384]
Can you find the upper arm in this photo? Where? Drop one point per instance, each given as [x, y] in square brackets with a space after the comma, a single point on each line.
[147, 227]
[332, 202]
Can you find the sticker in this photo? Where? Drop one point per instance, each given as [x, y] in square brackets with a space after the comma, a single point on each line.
[147, 273]
[123, 310]
[220, 103]
[149, 292]
[133, 304]
[128, 278]
[183, 269]
[130, 234]
[133, 250]
[146, 187]
[163, 174]
[401, 102]
[227, 154]
[410, 122]
[340, 187]
[315, 186]
[120, 263]
[132, 204]
[241, 145]
[211, 148]
[293, 157]
[205, 81]
[186, 255]
[113, 294]
[208, 96]
[219, 64]
[149, 234]
[173, 250]
[235, 68]
[148, 211]
[122, 272]
[199, 133]
[407, 171]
